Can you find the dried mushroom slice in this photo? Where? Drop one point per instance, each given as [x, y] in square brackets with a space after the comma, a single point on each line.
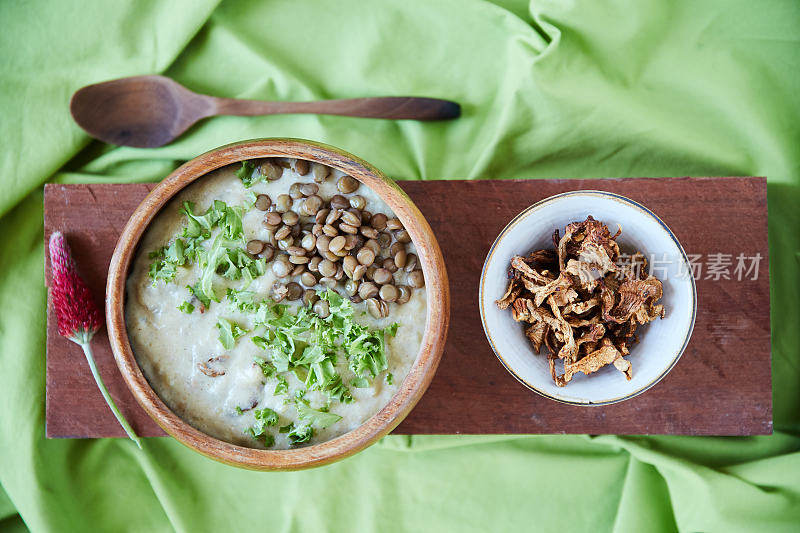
[563, 331]
[536, 333]
[606, 355]
[519, 264]
[633, 295]
[583, 305]
[514, 288]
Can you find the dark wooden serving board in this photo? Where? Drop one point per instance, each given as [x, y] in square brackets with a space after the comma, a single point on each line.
[721, 385]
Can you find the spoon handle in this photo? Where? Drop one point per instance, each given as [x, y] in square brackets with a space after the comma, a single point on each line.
[392, 107]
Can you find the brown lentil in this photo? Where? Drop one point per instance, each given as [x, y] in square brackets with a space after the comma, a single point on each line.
[323, 243]
[322, 308]
[290, 218]
[330, 256]
[294, 191]
[263, 202]
[382, 276]
[399, 257]
[402, 236]
[339, 202]
[377, 308]
[333, 216]
[294, 291]
[320, 172]
[283, 203]
[328, 282]
[308, 279]
[281, 268]
[396, 247]
[394, 224]
[367, 290]
[365, 256]
[378, 221]
[301, 166]
[270, 170]
[347, 228]
[358, 202]
[351, 287]
[359, 271]
[273, 218]
[336, 244]
[311, 205]
[347, 184]
[327, 268]
[384, 239]
[349, 264]
[309, 297]
[389, 293]
[309, 189]
[352, 217]
[373, 245]
[351, 241]
[283, 244]
[255, 246]
[321, 215]
[368, 232]
[268, 253]
[404, 296]
[389, 265]
[411, 262]
[416, 279]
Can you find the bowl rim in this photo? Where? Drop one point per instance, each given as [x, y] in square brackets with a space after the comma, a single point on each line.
[410, 390]
[629, 203]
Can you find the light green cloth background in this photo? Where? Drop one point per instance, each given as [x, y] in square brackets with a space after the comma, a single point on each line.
[572, 88]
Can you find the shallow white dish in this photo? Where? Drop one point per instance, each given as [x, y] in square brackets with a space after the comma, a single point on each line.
[661, 342]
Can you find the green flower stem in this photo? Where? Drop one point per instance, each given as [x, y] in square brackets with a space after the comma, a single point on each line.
[87, 350]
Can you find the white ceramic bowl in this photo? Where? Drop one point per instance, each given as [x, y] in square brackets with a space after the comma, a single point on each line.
[661, 342]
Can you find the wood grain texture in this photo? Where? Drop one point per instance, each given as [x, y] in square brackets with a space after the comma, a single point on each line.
[720, 386]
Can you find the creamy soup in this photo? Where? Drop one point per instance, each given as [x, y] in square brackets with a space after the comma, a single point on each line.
[255, 332]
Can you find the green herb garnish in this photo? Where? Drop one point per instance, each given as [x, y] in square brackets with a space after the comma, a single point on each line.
[225, 257]
[317, 418]
[360, 383]
[282, 387]
[229, 332]
[265, 417]
[245, 173]
[300, 434]
[186, 307]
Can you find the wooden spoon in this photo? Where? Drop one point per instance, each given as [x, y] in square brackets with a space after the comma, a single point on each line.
[150, 111]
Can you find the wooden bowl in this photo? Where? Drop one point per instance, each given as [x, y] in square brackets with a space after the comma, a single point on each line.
[411, 389]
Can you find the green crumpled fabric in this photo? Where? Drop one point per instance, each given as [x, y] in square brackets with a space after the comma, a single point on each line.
[558, 88]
